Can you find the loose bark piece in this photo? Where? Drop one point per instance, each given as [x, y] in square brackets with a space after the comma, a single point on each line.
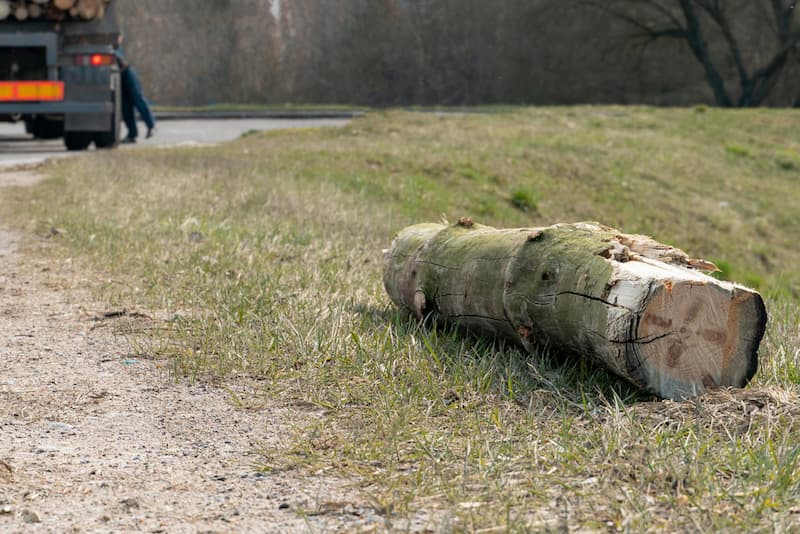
[641, 308]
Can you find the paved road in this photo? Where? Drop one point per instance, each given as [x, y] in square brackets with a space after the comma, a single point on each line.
[16, 147]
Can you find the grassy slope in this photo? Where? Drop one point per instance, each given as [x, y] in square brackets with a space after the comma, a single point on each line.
[266, 255]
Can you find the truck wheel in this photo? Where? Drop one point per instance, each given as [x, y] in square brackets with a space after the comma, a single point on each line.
[106, 139]
[43, 128]
[109, 139]
[77, 140]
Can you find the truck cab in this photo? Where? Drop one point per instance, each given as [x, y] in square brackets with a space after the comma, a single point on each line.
[61, 78]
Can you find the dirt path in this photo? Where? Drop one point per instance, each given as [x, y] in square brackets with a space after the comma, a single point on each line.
[95, 439]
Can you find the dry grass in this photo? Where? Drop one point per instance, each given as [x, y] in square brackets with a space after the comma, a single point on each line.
[264, 258]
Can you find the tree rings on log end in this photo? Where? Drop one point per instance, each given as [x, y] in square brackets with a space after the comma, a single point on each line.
[695, 336]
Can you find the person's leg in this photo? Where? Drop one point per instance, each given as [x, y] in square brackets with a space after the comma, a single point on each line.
[129, 118]
[141, 104]
[144, 111]
[147, 115]
[128, 113]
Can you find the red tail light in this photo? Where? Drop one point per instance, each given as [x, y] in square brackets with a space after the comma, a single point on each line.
[94, 60]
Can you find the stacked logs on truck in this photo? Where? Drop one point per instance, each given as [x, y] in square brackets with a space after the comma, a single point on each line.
[52, 9]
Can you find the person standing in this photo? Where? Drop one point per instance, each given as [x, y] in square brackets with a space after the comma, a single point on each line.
[132, 98]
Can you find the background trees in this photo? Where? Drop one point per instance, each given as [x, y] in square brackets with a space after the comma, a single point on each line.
[399, 52]
[757, 39]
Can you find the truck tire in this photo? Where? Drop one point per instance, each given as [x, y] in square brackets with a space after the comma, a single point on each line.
[43, 128]
[107, 139]
[110, 139]
[77, 140]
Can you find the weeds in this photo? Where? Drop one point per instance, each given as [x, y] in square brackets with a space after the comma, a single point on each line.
[524, 200]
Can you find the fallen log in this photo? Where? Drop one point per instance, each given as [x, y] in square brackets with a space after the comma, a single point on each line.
[639, 307]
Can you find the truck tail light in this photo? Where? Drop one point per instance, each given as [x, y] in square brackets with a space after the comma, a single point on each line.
[31, 91]
[94, 60]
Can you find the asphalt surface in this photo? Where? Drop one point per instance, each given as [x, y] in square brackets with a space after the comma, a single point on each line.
[18, 148]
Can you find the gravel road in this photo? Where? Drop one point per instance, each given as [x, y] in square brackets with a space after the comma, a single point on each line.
[96, 437]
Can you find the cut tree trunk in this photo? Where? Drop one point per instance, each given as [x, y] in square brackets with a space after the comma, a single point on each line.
[641, 308]
[21, 12]
[89, 9]
[63, 5]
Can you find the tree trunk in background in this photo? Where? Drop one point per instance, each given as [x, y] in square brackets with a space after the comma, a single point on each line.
[639, 307]
[698, 44]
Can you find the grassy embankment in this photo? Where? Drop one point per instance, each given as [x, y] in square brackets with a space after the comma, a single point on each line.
[266, 256]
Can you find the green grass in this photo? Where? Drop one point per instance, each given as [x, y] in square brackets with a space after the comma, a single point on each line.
[264, 256]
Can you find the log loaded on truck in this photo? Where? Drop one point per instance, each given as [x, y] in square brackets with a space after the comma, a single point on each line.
[58, 73]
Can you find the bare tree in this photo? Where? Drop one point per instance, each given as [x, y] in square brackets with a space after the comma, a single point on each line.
[731, 22]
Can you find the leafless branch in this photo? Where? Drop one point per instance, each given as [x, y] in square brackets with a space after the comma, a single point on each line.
[718, 15]
[650, 32]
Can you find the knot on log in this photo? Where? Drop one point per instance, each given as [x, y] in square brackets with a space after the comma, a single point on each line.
[526, 333]
[617, 252]
[466, 222]
[534, 235]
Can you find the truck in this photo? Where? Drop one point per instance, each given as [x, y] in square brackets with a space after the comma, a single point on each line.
[59, 75]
